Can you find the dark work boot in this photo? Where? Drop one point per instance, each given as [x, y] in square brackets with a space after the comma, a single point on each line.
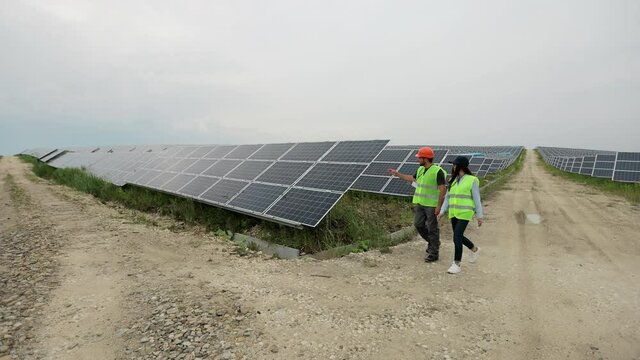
[431, 258]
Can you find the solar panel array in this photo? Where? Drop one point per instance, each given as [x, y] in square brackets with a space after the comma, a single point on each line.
[613, 165]
[484, 160]
[295, 184]
[292, 183]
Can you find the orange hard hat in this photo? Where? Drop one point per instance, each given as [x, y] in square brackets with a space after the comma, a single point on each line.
[425, 152]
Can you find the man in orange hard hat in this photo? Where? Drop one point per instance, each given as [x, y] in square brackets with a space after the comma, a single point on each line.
[430, 184]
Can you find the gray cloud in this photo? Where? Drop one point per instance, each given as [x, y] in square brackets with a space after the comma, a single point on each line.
[501, 72]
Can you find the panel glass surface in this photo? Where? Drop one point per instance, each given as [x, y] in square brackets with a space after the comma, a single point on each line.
[223, 191]
[271, 151]
[355, 151]
[198, 185]
[258, 197]
[285, 173]
[307, 207]
[338, 177]
[308, 151]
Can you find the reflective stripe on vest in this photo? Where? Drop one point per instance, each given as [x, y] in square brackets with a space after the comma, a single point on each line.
[461, 204]
[427, 192]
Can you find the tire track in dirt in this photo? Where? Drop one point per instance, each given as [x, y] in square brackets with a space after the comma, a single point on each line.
[75, 321]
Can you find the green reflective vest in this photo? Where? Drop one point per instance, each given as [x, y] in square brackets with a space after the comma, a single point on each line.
[461, 204]
[427, 192]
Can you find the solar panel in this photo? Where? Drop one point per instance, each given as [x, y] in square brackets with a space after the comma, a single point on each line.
[476, 161]
[449, 158]
[605, 165]
[149, 176]
[48, 154]
[307, 207]
[284, 173]
[199, 166]
[393, 155]
[223, 191]
[136, 176]
[629, 156]
[480, 163]
[603, 173]
[370, 183]
[181, 165]
[593, 162]
[197, 186]
[257, 197]
[271, 152]
[399, 187]
[177, 182]
[52, 155]
[602, 157]
[256, 179]
[585, 170]
[160, 180]
[627, 176]
[185, 151]
[220, 151]
[337, 177]
[628, 165]
[409, 168]
[242, 151]
[163, 164]
[222, 167]
[381, 168]
[355, 151]
[308, 151]
[249, 170]
[201, 152]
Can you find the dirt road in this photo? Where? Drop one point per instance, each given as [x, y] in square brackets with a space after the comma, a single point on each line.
[557, 279]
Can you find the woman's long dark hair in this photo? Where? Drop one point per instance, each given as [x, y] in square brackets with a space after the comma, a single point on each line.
[456, 170]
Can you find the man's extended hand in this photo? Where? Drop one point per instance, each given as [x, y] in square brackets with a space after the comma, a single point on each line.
[393, 172]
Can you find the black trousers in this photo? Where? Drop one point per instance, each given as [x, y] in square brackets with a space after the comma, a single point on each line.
[459, 226]
[426, 223]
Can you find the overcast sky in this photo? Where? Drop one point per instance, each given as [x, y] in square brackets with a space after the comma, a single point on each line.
[560, 73]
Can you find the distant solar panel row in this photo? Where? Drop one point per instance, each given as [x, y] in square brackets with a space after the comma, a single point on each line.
[484, 160]
[618, 166]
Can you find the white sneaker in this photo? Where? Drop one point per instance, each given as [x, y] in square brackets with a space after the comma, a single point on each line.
[454, 269]
[473, 256]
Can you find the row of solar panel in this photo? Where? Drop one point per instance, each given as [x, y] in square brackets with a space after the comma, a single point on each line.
[376, 177]
[621, 166]
[296, 184]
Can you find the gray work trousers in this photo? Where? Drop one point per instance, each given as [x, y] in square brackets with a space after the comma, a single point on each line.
[426, 223]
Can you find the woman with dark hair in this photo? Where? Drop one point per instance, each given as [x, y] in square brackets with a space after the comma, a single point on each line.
[462, 202]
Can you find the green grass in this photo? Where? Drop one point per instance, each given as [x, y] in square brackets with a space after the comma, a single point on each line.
[359, 220]
[630, 191]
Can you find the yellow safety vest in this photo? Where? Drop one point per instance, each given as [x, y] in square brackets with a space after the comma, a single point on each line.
[461, 204]
[427, 192]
